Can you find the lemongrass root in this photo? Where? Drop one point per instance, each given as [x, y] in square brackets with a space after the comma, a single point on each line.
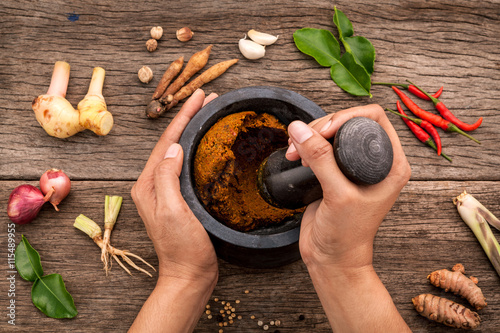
[144, 261]
[122, 265]
[91, 228]
[124, 255]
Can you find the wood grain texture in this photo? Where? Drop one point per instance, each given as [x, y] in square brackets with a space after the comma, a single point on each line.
[422, 233]
[433, 43]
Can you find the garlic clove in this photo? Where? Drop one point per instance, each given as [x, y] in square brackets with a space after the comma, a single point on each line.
[250, 49]
[262, 38]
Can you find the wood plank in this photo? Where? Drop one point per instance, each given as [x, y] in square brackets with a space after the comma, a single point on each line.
[450, 43]
[446, 43]
[423, 232]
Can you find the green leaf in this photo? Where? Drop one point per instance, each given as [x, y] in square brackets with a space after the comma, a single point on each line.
[343, 24]
[50, 296]
[319, 44]
[351, 77]
[28, 262]
[362, 50]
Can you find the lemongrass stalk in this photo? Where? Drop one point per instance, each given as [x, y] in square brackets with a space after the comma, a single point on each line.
[476, 216]
[469, 201]
[88, 226]
[112, 206]
[91, 228]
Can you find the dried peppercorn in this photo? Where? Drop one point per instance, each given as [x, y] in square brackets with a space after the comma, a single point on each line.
[411, 88]
[419, 132]
[430, 117]
[443, 111]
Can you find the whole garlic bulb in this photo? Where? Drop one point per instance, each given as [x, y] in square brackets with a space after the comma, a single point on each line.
[250, 49]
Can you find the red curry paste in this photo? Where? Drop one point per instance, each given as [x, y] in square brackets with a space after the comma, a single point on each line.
[225, 169]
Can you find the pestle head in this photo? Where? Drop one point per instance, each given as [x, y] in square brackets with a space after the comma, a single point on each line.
[363, 151]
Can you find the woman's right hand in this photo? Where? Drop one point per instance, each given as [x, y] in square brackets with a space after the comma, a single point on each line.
[340, 228]
[337, 232]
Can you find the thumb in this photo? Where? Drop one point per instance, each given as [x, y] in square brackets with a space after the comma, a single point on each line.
[166, 179]
[317, 152]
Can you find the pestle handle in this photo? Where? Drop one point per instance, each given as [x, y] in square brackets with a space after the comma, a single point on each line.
[363, 152]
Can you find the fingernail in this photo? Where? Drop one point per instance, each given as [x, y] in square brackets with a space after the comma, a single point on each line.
[327, 125]
[291, 149]
[172, 151]
[299, 131]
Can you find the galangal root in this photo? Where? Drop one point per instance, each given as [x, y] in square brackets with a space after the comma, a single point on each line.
[58, 117]
[456, 282]
[445, 311]
[91, 228]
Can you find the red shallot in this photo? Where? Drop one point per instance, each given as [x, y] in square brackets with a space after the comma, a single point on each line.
[25, 203]
[57, 181]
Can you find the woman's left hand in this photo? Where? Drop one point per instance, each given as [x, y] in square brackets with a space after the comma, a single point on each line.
[183, 246]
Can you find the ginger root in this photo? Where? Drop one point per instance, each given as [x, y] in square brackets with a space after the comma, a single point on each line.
[456, 282]
[445, 311]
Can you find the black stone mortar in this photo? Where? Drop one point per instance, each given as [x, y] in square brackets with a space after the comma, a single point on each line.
[263, 248]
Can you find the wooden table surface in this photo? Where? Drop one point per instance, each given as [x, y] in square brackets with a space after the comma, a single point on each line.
[450, 42]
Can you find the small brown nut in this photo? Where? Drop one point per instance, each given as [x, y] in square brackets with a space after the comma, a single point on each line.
[151, 45]
[156, 32]
[145, 74]
[184, 34]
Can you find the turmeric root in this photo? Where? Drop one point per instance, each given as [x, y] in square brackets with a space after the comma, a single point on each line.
[445, 311]
[456, 282]
[205, 77]
[195, 64]
[171, 72]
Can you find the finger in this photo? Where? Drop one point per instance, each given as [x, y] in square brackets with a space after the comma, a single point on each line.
[210, 98]
[319, 123]
[372, 111]
[400, 170]
[166, 180]
[174, 131]
[317, 152]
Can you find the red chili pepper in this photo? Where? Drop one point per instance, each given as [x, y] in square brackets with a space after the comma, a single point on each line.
[424, 124]
[430, 117]
[414, 90]
[443, 110]
[417, 92]
[422, 135]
